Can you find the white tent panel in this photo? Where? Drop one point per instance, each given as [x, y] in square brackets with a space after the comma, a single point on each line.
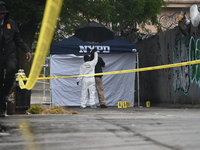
[118, 87]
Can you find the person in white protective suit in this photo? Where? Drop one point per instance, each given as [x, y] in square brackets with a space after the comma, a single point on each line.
[88, 82]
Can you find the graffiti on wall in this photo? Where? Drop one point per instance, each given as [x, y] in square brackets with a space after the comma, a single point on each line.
[181, 74]
[195, 55]
[186, 74]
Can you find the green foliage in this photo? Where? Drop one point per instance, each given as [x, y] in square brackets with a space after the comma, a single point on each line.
[77, 12]
[28, 14]
[24, 11]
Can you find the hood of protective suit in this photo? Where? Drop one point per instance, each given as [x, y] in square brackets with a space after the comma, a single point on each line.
[87, 64]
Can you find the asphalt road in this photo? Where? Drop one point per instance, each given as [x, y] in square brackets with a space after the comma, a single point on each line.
[104, 129]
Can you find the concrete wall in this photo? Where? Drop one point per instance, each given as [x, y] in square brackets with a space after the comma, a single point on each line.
[173, 85]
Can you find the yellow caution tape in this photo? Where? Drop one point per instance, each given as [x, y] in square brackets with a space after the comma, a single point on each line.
[43, 82]
[52, 11]
[130, 70]
[40, 89]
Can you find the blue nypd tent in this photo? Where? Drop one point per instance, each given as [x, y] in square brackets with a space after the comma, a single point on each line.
[67, 57]
[74, 45]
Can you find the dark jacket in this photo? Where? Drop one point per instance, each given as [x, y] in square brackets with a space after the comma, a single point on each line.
[10, 38]
[99, 65]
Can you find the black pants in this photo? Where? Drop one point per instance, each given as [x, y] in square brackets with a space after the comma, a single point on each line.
[8, 68]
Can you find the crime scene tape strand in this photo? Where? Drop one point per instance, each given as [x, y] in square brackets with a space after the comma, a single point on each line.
[131, 70]
[51, 13]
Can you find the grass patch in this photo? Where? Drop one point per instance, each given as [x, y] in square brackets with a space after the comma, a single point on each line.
[38, 109]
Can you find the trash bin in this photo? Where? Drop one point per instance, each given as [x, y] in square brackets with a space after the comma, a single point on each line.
[22, 97]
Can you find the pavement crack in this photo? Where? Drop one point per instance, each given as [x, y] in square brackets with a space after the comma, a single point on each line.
[145, 138]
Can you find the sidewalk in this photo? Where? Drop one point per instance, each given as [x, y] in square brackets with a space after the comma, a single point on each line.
[113, 128]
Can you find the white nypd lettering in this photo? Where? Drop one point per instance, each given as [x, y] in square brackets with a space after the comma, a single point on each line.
[89, 48]
[83, 49]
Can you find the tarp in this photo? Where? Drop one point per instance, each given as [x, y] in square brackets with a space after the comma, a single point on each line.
[67, 57]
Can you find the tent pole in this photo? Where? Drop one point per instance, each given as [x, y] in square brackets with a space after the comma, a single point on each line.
[50, 86]
[138, 84]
